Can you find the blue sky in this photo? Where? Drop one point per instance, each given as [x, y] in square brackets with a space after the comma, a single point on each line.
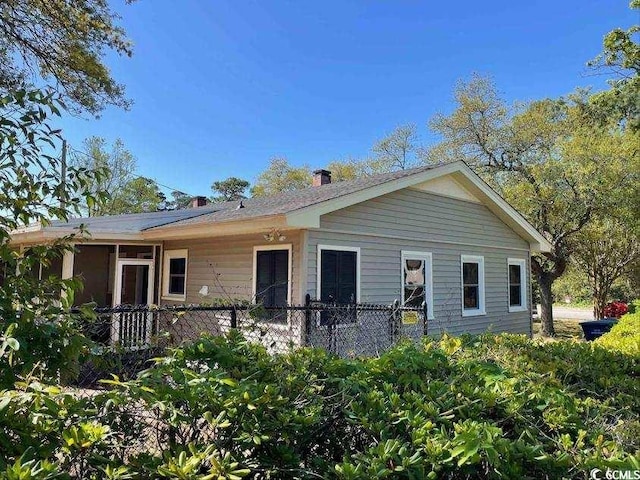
[219, 87]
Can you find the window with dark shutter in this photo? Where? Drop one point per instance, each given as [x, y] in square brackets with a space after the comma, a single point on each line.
[272, 281]
[338, 281]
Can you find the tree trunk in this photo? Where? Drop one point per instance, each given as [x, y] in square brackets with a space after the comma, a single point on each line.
[547, 268]
[598, 308]
[546, 304]
[600, 296]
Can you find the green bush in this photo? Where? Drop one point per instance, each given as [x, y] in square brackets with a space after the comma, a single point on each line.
[634, 306]
[471, 407]
[625, 335]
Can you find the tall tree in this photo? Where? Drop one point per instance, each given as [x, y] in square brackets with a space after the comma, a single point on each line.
[231, 189]
[545, 159]
[396, 151]
[621, 58]
[281, 176]
[349, 169]
[179, 200]
[127, 193]
[63, 43]
[605, 250]
[609, 247]
[140, 194]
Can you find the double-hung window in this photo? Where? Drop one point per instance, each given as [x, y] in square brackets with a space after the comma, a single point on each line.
[517, 284]
[417, 287]
[174, 274]
[472, 271]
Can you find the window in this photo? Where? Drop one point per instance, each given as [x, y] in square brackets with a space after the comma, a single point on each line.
[417, 285]
[472, 285]
[517, 284]
[339, 278]
[174, 275]
[272, 278]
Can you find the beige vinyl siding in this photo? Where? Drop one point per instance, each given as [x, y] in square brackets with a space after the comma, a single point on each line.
[225, 265]
[422, 222]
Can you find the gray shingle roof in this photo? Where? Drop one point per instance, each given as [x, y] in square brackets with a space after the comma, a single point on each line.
[133, 222]
[290, 201]
[253, 207]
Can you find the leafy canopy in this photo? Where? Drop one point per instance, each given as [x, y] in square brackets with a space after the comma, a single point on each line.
[549, 159]
[281, 176]
[63, 43]
[620, 58]
[36, 336]
[179, 200]
[128, 193]
[396, 151]
[228, 190]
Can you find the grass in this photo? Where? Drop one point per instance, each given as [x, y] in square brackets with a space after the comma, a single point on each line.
[565, 329]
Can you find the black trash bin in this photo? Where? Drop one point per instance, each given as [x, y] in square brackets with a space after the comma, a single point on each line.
[596, 328]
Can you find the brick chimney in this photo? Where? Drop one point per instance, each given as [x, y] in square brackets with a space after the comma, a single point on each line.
[321, 177]
[198, 202]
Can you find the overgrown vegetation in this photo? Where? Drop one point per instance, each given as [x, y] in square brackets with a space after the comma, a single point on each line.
[624, 336]
[474, 407]
[37, 333]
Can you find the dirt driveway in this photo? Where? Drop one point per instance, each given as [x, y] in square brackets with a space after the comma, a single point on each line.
[572, 313]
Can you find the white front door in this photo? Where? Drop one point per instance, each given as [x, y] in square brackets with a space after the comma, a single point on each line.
[134, 287]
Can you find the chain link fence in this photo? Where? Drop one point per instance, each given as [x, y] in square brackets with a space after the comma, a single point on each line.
[125, 338]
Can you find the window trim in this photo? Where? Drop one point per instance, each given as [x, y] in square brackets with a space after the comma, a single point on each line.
[340, 248]
[262, 248]
[168, 255]
[522, 263]
[427, 257]
[481, 310]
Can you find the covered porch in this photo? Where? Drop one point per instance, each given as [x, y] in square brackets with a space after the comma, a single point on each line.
[115, 274]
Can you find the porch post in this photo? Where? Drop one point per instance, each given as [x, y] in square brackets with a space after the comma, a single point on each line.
[67, 265]
[67, 270]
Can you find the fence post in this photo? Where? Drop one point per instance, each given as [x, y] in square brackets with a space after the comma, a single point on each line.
[394, 322]
[425, 311]
[234, 317]
[307, 318]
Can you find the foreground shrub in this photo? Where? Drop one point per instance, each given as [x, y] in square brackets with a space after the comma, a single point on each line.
[37, 335]
[472, 407]
[624, 336]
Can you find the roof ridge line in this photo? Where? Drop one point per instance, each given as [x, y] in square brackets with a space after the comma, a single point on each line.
[403, 173]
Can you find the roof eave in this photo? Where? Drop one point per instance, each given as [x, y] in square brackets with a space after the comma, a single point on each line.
[48, 235]
[216, 229]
